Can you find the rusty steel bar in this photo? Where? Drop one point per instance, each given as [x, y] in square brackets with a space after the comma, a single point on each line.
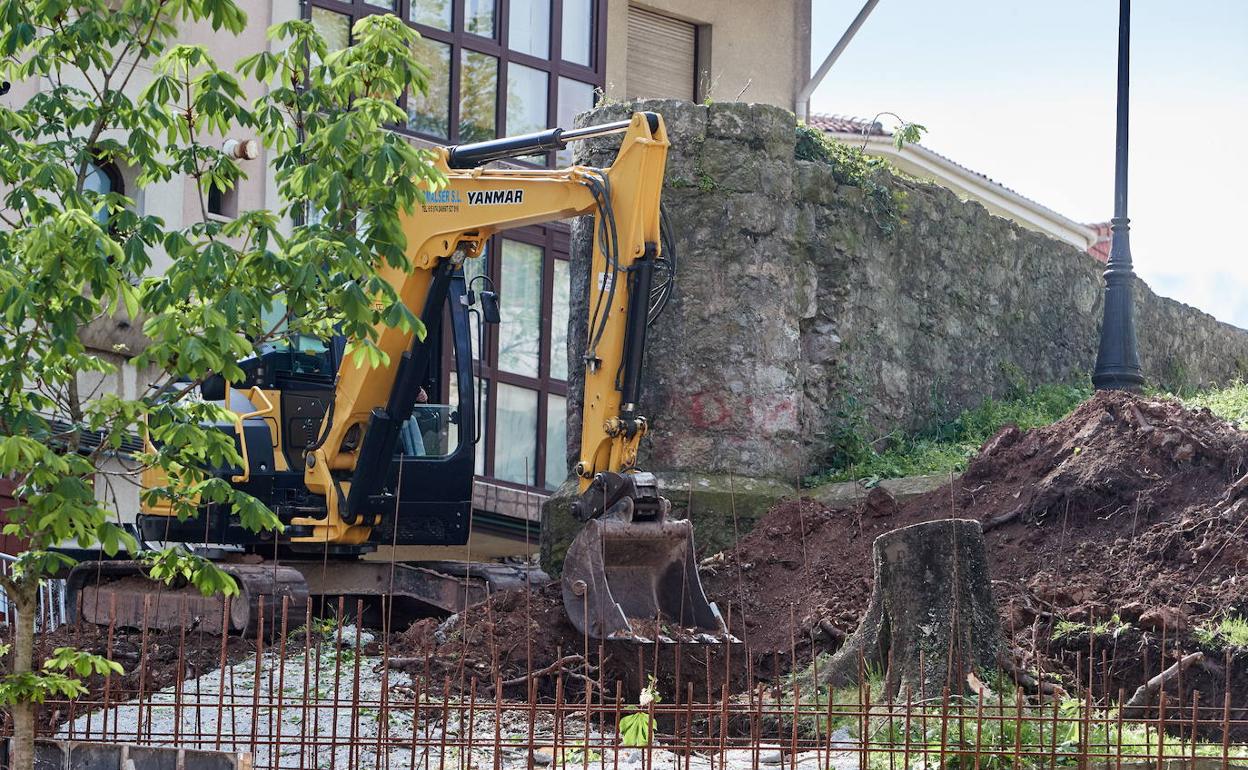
[108, 651]
[255, 688]
[710, 729]
[352, 759]
[281, 680]
[333, 717]
[308, 652]
[1161, 727]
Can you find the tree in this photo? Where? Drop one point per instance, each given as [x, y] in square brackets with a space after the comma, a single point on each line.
[72, 254]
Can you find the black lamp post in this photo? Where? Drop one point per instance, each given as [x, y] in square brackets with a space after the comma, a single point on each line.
[1117, 360]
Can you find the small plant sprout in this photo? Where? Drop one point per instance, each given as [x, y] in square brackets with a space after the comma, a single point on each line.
[637, 727]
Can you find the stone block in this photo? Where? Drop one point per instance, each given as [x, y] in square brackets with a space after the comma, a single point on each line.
[843, 494]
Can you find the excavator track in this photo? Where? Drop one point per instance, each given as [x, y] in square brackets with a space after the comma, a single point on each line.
[120, 593]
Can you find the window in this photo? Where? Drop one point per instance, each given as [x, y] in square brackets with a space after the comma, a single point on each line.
[529, 28]
[560, 315]
[520, 331]
[102, 179]
[428, 113]
[515, 434]
[662, 56]
[333, 26]
[575, 97]
[556, 441]
[223, 203]
[497, 67]
[435, 13]
[578, 31]
[478, 96]
[523, 364]
[479, 17]
[526, 99]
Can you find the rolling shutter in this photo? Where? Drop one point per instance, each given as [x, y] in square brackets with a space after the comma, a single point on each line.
[661, 56]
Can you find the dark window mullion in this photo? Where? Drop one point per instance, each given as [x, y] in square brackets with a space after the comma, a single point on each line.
[481, 44]
[493, 269]
[539, 462]
[535, 235]
[452, 118]
[519, 380]
[556, 31]
[578, 72]
[491, 402]
[598, 45]
[502, 22]
[500, 96]
[433, 33]
[529, 60]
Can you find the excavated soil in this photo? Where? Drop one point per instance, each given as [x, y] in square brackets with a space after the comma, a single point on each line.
[526, 637]
[1127, 523]
[1113, 536]
[1129, 507]
[150, 664]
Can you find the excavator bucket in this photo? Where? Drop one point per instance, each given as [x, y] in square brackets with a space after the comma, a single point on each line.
[631, 578]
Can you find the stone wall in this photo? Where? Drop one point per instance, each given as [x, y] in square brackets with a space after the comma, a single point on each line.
[794, 303]
[792, 298]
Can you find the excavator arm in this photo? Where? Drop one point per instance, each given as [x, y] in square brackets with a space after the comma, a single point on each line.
[630, 562]
[347, 466]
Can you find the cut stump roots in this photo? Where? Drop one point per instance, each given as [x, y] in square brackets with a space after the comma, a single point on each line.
[931, 621]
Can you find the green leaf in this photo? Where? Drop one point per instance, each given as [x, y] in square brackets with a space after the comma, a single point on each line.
[636, 729]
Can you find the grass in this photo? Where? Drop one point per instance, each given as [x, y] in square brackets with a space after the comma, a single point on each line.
[961, 739]
[1229, 403]
[1231, 631]
[948, 447]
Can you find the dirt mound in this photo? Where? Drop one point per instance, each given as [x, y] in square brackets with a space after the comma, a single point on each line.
[1130, 507]
[526, 637]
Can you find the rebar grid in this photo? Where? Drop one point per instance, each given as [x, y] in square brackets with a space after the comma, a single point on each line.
[434, 727]
[314, 700]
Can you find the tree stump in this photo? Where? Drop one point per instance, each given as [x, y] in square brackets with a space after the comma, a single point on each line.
[931, 620]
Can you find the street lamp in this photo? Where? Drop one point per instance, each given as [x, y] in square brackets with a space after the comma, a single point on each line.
[1117, 360]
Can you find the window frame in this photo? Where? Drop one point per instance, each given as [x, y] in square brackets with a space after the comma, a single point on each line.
[497, 46]
[554, 241]
[553, 238]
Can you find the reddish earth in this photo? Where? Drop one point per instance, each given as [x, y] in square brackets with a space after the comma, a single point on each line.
[1127, 507]
[150, 663]
[1130, 507]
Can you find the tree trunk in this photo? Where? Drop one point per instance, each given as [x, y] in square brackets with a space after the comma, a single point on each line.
[931, 620]
[26, 602]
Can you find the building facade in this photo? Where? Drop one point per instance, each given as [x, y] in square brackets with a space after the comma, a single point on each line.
[923, 163]
[498, 68]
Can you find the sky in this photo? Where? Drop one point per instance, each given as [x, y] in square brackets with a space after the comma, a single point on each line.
[1023, 91]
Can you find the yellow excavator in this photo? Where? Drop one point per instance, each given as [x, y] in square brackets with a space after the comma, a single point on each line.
[351, 460]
